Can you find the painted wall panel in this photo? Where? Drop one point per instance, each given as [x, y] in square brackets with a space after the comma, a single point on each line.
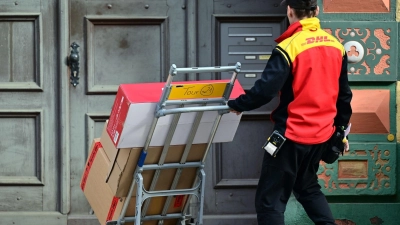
[371, 111]
[367, 6]
[367, 169]
[366, 10]
[371, 48]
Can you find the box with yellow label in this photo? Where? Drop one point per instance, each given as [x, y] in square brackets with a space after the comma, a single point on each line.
[134, 110]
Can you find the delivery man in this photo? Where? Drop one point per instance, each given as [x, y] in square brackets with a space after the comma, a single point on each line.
[308, 69]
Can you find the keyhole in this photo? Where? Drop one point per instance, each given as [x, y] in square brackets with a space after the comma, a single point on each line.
[74, 73]
[353, 51]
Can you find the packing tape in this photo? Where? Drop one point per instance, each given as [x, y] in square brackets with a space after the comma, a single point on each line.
[89, 164]
[113, 206]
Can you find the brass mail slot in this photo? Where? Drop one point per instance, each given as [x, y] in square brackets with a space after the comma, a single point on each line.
[264, 57]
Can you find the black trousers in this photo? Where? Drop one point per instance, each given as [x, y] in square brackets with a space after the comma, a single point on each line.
[293, 169]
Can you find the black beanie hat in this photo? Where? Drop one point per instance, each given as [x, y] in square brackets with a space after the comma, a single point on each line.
[299, 4]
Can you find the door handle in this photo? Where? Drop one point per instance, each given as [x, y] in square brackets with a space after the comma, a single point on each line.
[73, 63]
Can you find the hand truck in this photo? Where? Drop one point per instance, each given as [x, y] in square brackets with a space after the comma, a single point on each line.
[168, 98]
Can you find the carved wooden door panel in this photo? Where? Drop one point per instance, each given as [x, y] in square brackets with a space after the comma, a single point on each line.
[29, 171]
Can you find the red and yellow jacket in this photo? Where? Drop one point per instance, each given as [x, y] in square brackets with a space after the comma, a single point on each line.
[308, 69]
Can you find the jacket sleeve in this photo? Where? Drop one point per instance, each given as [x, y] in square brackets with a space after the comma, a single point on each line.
[267, 87]
[343, 106]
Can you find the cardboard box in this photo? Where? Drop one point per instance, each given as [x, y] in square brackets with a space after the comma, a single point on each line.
[134, 110]
[124, 161]
[104, 203]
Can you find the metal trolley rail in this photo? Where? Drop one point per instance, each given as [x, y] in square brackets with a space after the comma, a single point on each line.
[169, 97]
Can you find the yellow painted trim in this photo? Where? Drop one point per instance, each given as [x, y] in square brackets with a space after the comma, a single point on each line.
[397, 111]
[398, 10]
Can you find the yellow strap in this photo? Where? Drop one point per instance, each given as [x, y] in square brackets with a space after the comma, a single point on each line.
[284, 55]
[193, 91]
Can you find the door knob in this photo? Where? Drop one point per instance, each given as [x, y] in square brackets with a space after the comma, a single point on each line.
[73, 63]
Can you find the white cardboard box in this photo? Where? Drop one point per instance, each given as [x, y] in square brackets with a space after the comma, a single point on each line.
[134, 110]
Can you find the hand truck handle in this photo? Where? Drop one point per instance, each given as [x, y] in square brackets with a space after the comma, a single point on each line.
[222, 109]
[173, 70]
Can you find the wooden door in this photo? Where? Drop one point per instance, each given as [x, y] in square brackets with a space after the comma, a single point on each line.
[29, 174]
[238, 31]
[119, 42]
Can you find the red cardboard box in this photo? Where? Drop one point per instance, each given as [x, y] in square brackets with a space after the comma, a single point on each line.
[134, 110]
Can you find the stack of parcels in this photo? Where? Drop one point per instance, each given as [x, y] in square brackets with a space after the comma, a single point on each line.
[113, 157]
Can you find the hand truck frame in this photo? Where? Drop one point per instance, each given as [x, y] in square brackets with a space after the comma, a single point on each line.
[144, 196]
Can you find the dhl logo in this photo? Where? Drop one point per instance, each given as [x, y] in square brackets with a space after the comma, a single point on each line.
[317, 39]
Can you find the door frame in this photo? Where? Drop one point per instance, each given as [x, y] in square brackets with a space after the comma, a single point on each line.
[63, 107]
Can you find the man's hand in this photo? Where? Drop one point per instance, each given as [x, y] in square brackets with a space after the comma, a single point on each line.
[346, 140]
[346, 145]
[234, 111]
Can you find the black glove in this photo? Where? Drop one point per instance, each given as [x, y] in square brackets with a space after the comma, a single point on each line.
[335, 147]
